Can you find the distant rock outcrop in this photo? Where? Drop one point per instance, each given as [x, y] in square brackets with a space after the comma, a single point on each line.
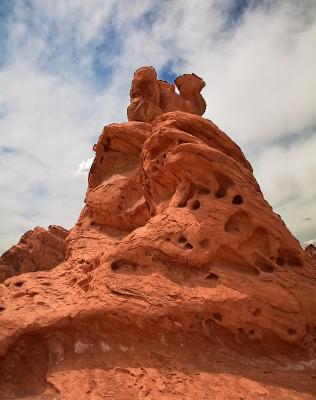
[180, 281]
[37, 250]
[311, 251]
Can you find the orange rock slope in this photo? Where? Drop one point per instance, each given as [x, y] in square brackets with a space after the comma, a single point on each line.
[180, 281]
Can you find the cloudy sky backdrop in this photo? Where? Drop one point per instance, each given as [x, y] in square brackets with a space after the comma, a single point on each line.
[65, 72]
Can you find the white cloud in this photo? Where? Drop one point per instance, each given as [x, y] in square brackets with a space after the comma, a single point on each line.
[84, 167]
[261, 89]
[261, 81]
[287, 178]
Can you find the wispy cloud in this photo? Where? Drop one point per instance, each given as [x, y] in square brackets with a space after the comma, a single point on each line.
[65, 71]
[83, 167]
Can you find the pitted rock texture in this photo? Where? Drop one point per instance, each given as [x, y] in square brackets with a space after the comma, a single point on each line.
[180, 281]
[151, 97]
[38, 249]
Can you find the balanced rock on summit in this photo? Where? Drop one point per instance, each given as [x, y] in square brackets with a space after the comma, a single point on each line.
[180, 281]
[151, 97]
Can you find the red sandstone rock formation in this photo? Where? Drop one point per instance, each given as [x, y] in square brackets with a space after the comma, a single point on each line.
[37, 250]
[180, 281]
[151, 97]
[311, 251]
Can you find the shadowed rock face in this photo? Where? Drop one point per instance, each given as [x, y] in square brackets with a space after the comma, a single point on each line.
[37, 250]
[180, 281]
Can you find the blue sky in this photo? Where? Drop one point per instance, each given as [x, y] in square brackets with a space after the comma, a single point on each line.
[65, 72]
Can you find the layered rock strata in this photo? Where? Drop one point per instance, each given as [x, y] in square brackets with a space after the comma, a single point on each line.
[180, 281]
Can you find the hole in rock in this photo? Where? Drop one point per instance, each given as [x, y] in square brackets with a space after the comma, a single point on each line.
[266, 268]
[188, 246]
[217, 317]
[212, 276]
[18, 284]
[237, 200]
[101, 159]
[195, 205]
[237, 222]
[289, 257]
[291, 331]
[2, 309]
[264, 265]
[280, 261]
[202, 190]
[257, 312]
[220, 193]
[123, 265]
[168, 239]
[223, 184]
[251, 333]
[295, 262]
[182, 204]
[204, 242]
[182, 239]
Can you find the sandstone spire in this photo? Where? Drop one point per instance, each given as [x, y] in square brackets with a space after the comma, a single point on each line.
[151, 97]
[180, 281]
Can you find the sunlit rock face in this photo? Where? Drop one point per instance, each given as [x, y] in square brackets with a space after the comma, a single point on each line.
[38, 249]
[179, 282]
[151, 97]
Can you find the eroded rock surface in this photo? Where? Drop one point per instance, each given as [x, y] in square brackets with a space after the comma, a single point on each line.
[180, 281]
[151, 97]
[38, 249]
[311, 251]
